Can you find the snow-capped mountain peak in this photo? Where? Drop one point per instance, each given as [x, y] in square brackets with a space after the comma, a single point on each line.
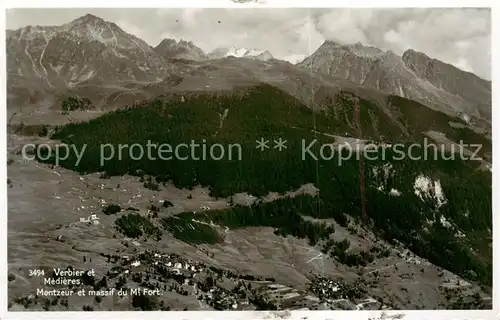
[241, 53]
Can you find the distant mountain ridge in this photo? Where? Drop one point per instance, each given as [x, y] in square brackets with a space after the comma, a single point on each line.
[413, 75]
[94, 51]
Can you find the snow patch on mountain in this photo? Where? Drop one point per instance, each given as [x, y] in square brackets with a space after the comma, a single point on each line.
[426, 188]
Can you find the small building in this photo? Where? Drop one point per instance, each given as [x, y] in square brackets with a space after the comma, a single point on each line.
[92, 219]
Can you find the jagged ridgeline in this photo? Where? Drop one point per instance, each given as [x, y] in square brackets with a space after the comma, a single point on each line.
[265, 112]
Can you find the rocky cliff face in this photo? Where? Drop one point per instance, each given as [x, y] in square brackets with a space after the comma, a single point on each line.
[413, 75]
[171, 49]
[467, 85]
[86, 50]
[241, 53]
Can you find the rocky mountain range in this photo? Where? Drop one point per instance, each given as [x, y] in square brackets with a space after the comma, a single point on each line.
[172, 49]
[85, 50]
[97, 59]
[413, 75]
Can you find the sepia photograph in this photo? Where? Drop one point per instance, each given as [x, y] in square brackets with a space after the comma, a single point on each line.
[251, 159]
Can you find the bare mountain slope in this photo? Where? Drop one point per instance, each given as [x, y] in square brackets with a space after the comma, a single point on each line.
[86, 50]
[451, 79]
[413, 75]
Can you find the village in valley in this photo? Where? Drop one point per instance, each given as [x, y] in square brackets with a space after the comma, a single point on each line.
[180, 276]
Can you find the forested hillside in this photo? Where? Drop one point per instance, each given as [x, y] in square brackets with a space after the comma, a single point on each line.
[265, 112]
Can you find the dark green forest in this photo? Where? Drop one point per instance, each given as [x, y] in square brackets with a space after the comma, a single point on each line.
[266, 112]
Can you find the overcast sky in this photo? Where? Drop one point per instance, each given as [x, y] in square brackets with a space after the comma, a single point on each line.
[458, 36]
